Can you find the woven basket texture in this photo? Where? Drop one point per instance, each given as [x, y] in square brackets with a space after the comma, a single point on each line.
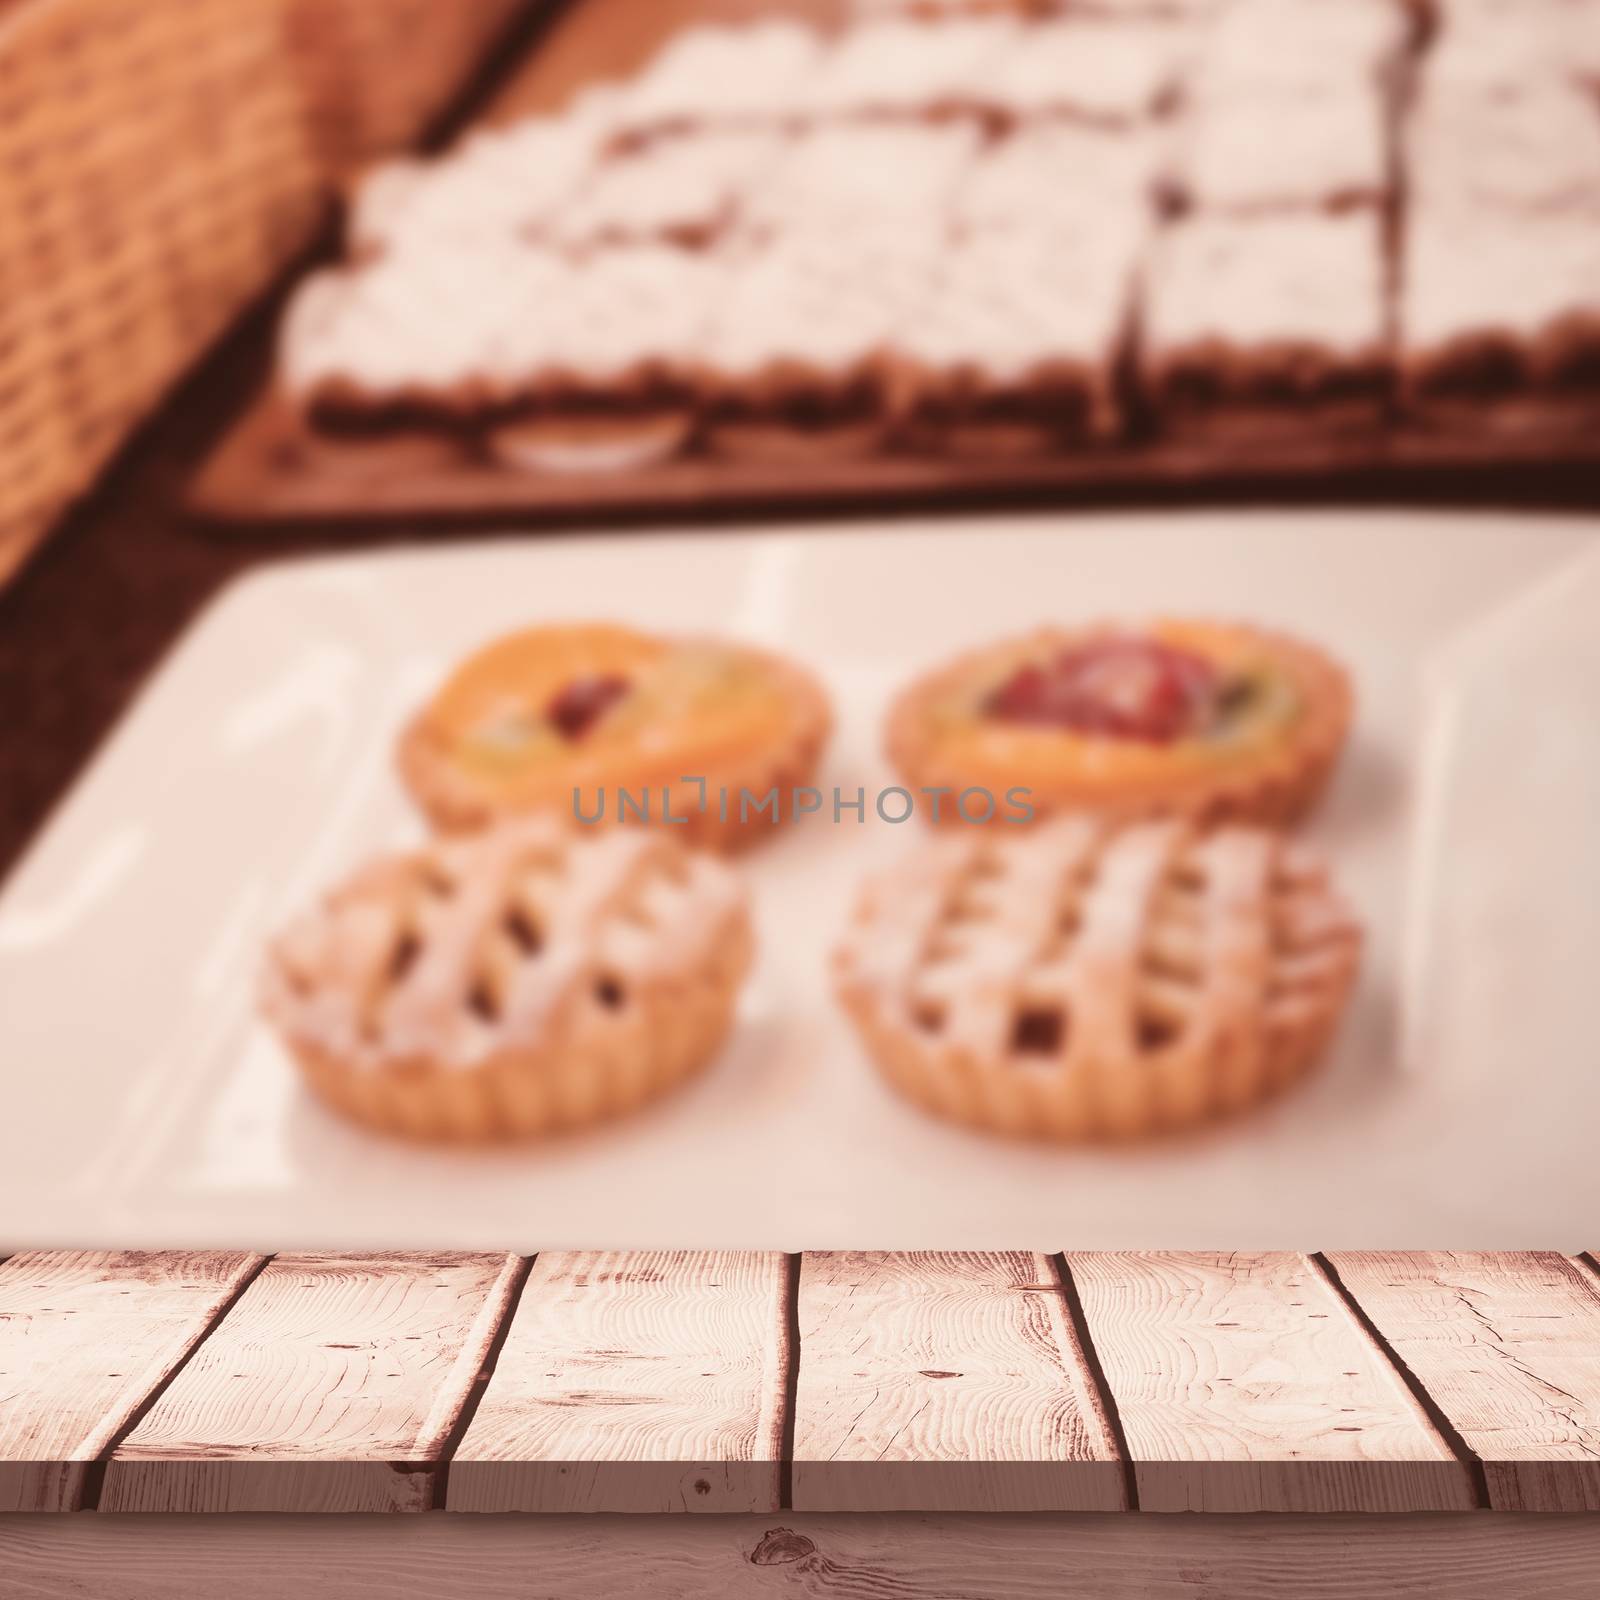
[160, 161]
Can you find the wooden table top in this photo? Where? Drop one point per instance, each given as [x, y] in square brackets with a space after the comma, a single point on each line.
[1007, 1381]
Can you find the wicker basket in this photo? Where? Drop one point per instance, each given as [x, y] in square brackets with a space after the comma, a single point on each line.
[159, 160]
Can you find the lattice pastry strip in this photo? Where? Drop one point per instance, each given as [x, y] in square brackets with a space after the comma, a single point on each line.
[513, 980]
[997, 912]
[1087, 978]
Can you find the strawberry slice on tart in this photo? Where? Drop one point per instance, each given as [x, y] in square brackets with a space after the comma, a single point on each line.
[1184, 717]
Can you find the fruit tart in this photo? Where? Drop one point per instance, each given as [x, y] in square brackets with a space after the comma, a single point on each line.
[1211, 720]
[512, 982]
[1097, 979]
[602, 724]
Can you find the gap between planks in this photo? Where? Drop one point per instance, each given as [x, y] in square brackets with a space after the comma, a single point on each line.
[1434, 1412]
[792, 1262]
[1507, 1344]
[1097, 1378]
[67, 1315]
[1244, 1383]
[480, 1383]
[637, 1381]
[334, 1384]
[946, 1381]
[94, 1478]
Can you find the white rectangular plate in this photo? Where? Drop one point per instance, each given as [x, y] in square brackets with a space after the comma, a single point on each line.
[144, 1104]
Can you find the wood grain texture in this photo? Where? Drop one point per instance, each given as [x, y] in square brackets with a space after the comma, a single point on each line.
[947, 1382]
[1243, 1383]
[873, 1557]
[1508, 1347]
[85, 1338]
[634, 1381]
[332, 1385]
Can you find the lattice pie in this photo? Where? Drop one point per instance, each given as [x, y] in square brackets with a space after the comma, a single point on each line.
[519, 981]
[1086, 980]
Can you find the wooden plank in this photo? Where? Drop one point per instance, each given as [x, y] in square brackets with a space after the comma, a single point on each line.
[1243, 1383]
[871, 1557]
[85, 1338]
[634, 1381]
[1508, 1347]
[945, 1382]
[333, 1385]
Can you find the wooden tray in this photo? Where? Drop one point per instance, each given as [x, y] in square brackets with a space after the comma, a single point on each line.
[267, 470]
[264, 471]
[764, 1386]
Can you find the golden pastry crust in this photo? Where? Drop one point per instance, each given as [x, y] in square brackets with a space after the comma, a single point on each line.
[1089, 980]
[512, 983]
[1267, 765]
[686, 723]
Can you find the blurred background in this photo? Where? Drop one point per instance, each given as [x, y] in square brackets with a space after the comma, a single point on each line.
[692, 258]
[281, 277]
